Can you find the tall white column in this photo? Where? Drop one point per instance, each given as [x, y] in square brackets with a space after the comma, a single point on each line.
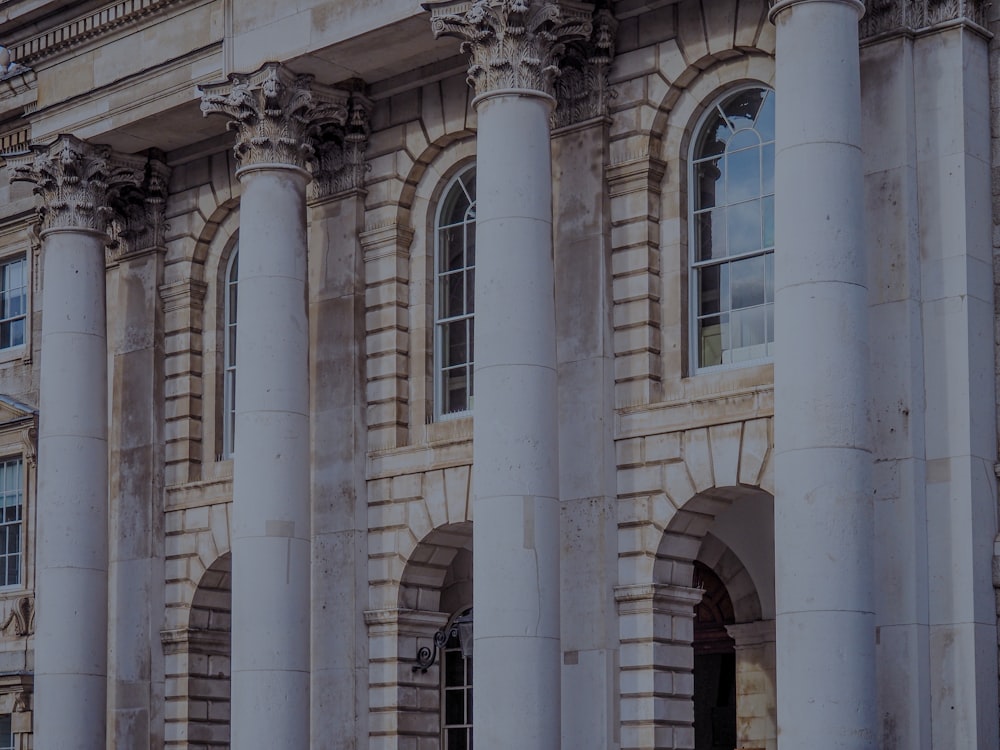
[276, 114]
[72, 179]
[823, 503]
[515, 475]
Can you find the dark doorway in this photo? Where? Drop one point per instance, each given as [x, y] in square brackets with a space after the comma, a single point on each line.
[714, 665]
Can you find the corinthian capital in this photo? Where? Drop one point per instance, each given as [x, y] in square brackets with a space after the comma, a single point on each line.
[512, 44]
[340, 164]
[76, 181]
[582, 89]
[275, 113]
[138, 222]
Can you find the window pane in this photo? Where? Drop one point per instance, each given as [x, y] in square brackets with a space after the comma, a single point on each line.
[470, 243]
[456, 739]
[713, 138]
[711, 183]
[765, 117]
[710, 338]
[454, 706]
[743, 174]
[769, 277]
[709, 290]
[456, 344]
[747, 329]
[712, 234]
[767, 169]
[742, 107]
[744, 225]
[456, 396]
[748, 282]
[452, 248]
[767, 207]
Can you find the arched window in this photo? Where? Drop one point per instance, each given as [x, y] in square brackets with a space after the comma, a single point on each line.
[732, 231]
[454, 301]
[229, 356]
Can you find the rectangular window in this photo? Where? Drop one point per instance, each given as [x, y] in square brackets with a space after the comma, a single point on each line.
[11, 505]
[13, 303]
[6, 733]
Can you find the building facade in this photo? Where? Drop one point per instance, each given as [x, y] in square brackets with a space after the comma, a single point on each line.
[707, 287]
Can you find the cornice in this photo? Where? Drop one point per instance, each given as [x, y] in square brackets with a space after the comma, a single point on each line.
[885, 18]
[88, 26]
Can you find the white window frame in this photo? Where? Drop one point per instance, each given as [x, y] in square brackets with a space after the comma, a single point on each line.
[229, 332]
[459, 181]
[694, 265]
[18, 490]
[452, 651]
[6, 263]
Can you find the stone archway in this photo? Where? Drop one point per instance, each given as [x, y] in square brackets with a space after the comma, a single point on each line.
[658, 620]
[436, 583]
[202, 652]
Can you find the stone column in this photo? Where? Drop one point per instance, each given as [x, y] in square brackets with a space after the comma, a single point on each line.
[277, 117]
[514, 48]
[823, 504]
[75, 182]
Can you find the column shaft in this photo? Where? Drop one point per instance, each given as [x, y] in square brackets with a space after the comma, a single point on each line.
[515, 474]
[72, 539]
[271, 524]
[823, 511]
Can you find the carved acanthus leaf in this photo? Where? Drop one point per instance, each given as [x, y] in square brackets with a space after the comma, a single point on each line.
[582, 89]
[138, 220]
[909, 16]
[75, 181]
[276, 114]
[340, 151]
[512, 44]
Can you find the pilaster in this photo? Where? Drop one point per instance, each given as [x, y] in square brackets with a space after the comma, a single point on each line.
[656, 628]
[387, 336]
[135, 666]
[634, 189]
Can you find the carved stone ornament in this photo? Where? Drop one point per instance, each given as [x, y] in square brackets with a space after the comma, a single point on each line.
[512, 44]
[21, 619]
[76, 181]
[884, 17]
[138, 220]
[582, 89]
[340, 163]
[276, 114]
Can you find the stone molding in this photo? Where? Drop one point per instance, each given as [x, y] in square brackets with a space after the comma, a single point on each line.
[752, 634]
[92, 188]
[887, 17]
[86, 27]
[279, 117]
[582, 89]
[659, 597]
[511, 44]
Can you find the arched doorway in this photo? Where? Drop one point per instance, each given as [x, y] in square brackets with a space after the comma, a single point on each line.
[714, 664]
